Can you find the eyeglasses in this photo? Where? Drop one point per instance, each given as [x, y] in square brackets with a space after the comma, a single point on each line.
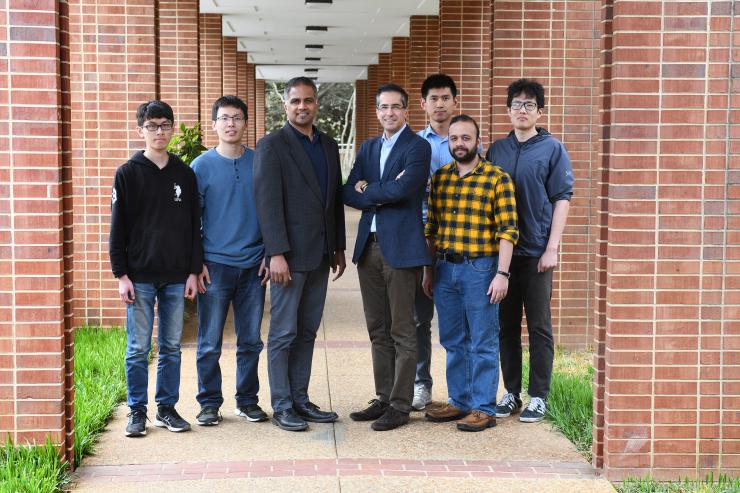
[153, 127]
[529, 106]
[392, 107]
[235, 119]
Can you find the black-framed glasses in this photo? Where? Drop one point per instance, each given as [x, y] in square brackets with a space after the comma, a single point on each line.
[226, 119]
[153, 127]
[392, 107]
[528, 105]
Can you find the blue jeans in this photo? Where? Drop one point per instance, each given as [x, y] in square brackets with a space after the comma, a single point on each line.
[139, 323]
[468, 330]
[240, 288]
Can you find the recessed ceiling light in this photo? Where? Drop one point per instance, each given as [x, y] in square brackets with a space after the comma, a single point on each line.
[316, 29]
[314, 78]
[310, 69]
[318, 4]
[313, 59]
[314, 48]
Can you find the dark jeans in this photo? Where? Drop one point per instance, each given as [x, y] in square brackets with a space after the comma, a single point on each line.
[423, 314]
[533, 290]
[295, 316]
[388, 300]
[242, 289]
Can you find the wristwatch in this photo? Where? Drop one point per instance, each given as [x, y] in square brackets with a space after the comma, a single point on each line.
[507, 275]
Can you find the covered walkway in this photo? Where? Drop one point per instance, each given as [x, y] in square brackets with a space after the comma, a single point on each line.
[344, 456]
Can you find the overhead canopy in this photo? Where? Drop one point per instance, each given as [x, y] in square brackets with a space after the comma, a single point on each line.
[337, 37]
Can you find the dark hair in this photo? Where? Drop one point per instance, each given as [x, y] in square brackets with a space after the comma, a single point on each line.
[528, 87]
[392, 88]
[466, 118]
[438, 81]
[225, 101]
[154, 109]
[299, 81]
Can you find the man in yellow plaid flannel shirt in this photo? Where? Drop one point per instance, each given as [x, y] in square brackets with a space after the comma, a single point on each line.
[471, 231]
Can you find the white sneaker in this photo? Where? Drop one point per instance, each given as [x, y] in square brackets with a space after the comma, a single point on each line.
[422, 397]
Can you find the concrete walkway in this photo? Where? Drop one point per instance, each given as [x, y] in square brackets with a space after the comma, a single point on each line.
[345, 456]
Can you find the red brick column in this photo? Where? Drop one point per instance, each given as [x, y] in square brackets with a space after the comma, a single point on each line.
[400, 62]
[178, 58]
[672, 270]
[251, 106]
[113, 45]
[465, 54]
[361, 113]
[423, 61]
[259, 108]
[35, 190]
[229, 66]
[373, 127]
[211, 72]
[555, 44]
[242, 90]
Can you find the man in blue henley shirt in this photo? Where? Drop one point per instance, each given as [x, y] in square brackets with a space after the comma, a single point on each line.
[234, 271]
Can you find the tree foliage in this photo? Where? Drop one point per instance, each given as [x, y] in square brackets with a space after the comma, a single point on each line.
[336, 108]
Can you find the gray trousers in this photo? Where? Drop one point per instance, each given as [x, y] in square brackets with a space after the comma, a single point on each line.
[388, 300]
[295, 316]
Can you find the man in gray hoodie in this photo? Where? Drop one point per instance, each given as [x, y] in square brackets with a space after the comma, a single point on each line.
[542, 173]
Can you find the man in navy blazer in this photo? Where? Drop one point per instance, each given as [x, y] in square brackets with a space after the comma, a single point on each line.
[387, 184]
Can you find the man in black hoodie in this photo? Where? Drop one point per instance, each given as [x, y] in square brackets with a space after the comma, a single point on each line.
[156, 254]
[543, 178]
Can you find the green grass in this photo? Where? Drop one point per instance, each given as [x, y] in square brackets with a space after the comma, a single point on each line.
[31, 469]
[570, 403]
[100, 382]
[724, 484]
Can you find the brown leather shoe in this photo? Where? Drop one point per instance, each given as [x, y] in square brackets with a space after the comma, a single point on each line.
[441, 414]
[476, 421]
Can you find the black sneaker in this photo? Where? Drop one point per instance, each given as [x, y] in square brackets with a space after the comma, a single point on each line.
[136, 426]
[508, 405]
[252, 412]
[391, 420]
[375, 410]
[168, 418]
[208, 416]
[535, 411]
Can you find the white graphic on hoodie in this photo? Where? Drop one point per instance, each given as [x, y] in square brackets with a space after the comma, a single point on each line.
[178, 192]
[114, 196]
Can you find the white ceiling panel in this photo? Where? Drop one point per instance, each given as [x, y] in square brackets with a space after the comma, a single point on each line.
[343, 73]
[273, 32]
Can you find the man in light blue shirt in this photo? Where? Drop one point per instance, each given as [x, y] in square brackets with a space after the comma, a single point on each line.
[439, 100]
[234, 270]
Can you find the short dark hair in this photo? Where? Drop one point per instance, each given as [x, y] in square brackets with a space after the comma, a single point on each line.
[392, 88]
[530, 88]
[299, 81]
[225, 101]
[154, 109]
[438, 81]
[466, 118]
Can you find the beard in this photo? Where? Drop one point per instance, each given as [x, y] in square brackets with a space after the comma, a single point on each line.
[467, 157]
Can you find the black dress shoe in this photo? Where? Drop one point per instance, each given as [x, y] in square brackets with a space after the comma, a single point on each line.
[311, 412]
[375, 410]
[288, 420]
[392, 419]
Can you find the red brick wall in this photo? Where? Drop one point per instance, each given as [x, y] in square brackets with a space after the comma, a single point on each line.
[211, 70]
[251, 106]
[259, 111]
[555, 44]
[373, 127]
[423, 61]
[35, 321]
[361, 113]
[113, 45]
[229, 65]
[465, 54]
[672, 293]
[242, 90]
[178, 58]
[400, 62]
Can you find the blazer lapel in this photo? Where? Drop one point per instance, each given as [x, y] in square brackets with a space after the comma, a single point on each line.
[301, 160]
[393, 157]
[332, 172]
[374, 171]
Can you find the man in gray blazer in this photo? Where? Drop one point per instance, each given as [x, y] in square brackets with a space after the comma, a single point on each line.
[298, 194]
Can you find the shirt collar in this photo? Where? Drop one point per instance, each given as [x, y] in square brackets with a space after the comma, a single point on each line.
[476, 171]
[430, 131]
[394, 137]
[300, 134]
